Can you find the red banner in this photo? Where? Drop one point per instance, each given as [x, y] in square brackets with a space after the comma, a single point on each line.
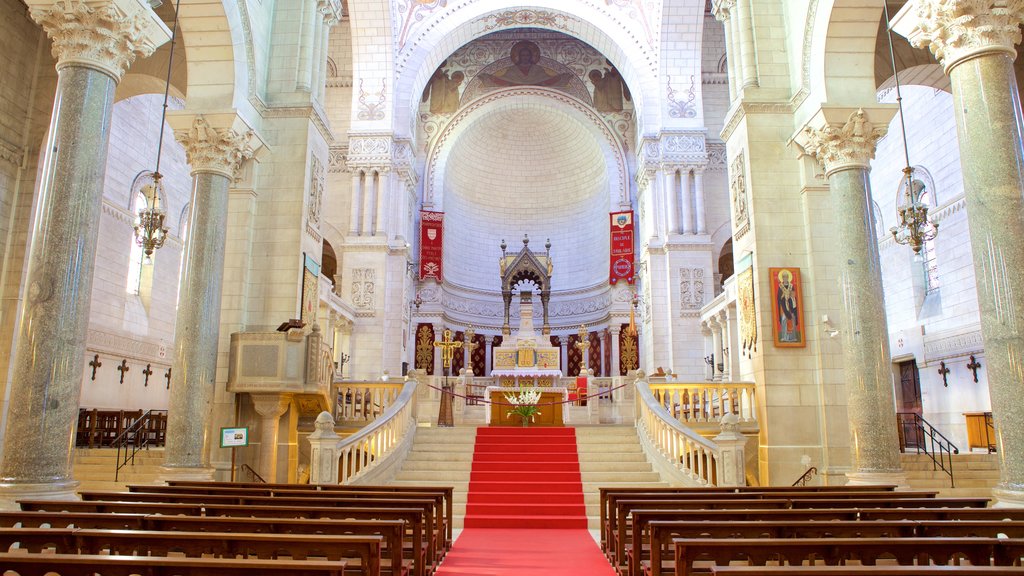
[431, 244]
[621, 257]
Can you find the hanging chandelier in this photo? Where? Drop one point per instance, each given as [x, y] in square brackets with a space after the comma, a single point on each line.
[150, 231]
[914, 228]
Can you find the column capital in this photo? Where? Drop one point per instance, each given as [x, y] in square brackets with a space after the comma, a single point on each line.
[956, 31]
[217, 142]
[271, 405]
[331, 11]
[722, 9]
[105, 35]
[839, 144]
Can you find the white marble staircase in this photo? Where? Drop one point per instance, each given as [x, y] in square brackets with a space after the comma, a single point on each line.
[974, 474]
[94, 468]
[609, 456]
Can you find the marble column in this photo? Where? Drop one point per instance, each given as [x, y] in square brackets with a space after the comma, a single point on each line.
[716, 347]
[563, 343]
[215, 146]
[94, 42]
[270, 408]
[488, 353]
[686, 198]
[384, 186]
[668, 178]
[615, 369]
[698, 200]
[975, 43]
[356, 213]
[371, 188]
[722, 10]
[438, 362]
[845, 149]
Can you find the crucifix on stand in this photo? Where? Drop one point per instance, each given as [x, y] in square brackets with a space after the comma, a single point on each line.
[583, 345]
[448, 346]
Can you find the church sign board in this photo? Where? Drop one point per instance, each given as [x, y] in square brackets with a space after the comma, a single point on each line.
[621, 253]
[234, 437]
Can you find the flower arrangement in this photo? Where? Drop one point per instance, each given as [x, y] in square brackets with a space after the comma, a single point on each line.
[524, 403]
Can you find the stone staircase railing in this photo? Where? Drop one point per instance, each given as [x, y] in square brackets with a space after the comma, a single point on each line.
[695, 403]
[681, 454]
[364, 401]
[371, 455]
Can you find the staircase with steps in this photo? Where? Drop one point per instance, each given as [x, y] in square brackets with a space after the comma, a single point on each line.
[609, 456]
[94, 468]
[974, 474]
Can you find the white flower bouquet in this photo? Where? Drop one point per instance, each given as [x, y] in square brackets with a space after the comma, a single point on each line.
[524, 403]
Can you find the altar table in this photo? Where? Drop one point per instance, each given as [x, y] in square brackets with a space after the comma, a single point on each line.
[550, 407]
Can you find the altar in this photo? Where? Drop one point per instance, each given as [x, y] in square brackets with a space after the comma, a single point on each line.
[551, 402]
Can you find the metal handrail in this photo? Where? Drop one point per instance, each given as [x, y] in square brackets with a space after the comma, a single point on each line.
[806, 477]
[250, 475]
[928, 440]
[131, 435]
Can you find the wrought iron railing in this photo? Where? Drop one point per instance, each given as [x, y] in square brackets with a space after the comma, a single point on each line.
[917, 434]
[687, 451]
[147, 430]
[247, 474]
[694, 403]
[806, 477]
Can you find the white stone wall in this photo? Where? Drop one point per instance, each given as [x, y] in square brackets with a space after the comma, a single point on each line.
[944, 325]
[138, 328]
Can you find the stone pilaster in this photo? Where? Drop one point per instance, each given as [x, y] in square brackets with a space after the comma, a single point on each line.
[93, 42]
[723, 11]
[270, 407]
[216, 145]
[975, 43]
[844, 146]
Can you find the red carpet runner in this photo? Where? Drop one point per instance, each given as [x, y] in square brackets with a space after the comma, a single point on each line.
[525, 512]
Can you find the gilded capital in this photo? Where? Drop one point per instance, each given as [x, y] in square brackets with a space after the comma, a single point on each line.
[219, 150]
[957, 30]
[851, 145]
[106, 35]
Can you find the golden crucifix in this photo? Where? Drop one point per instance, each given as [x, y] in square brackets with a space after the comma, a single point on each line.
[583, 344]
[448, 346]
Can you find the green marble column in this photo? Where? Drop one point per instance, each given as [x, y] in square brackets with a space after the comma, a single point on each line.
[974, 41]
[94, 42]
[845, 152]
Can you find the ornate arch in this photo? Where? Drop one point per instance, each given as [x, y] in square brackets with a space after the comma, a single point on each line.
[634, 55]
[607, 139]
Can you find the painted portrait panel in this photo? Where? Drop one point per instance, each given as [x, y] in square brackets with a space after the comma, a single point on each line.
[787, 308]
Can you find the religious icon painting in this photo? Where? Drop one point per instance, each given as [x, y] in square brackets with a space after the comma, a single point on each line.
[787, 308]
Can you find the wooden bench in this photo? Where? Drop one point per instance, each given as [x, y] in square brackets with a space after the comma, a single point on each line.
[446, 491]
[365, 549]
[866, 570]
[104, 565]
[795, 551]
[429, 502]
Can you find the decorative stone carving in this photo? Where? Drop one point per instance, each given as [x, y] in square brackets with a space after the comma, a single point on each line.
[371, 104]
[717, 157]
[682, 109]
[409, 12]
[220, 150]
[722, 9]
[363, 288]
[525, 17]
[316, 197]
[338, 160]
[105, 35]
[691, 288]
[839, 147]
[738, 193]
[957, 29]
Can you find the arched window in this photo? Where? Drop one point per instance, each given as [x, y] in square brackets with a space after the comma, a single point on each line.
[928, 261]
[136, 255]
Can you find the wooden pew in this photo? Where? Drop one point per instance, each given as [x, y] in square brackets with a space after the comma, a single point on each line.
[415, 518]
[866, 570]
[905, 551]
[619, 521]
[447, 491]
[609, 498]
[605, 492]
[104, 565]
[197, 544]
[42, 519]
[433, 502]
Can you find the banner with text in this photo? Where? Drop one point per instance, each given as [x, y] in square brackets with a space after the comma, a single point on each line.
[621, 258]
[431, 244]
